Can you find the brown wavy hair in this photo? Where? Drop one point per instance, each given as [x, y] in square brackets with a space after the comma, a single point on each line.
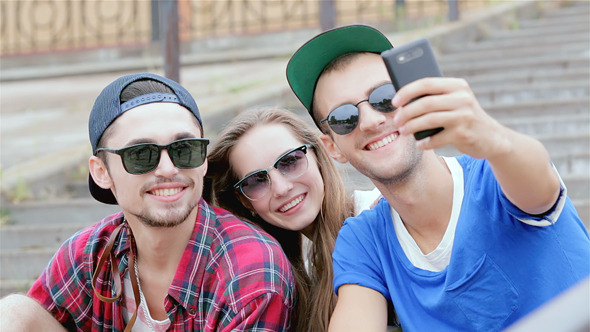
[316, 298]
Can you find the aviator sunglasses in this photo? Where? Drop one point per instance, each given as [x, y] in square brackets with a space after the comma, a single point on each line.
[291, 164]
[144, 157]
[344, 118]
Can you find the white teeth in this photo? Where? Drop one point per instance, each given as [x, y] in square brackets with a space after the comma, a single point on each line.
[291, 204]
[166, 192]
[383, 142]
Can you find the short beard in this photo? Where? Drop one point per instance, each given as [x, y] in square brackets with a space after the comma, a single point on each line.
[413, 158]
[167, 221]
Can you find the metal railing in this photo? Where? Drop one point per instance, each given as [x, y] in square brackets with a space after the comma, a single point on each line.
[41, 26]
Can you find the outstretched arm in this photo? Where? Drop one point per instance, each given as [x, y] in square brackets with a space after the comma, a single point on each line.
[520, 163]
[359, 309]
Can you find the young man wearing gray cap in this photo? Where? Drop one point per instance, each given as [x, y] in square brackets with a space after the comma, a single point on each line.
[168, 261]
[469, 243]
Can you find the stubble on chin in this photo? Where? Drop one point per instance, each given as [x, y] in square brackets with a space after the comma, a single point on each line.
[407, 167]
[170, 218]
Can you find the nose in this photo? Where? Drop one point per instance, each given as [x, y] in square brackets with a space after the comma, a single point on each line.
[280, 185]
[371, 119]
[166, 167]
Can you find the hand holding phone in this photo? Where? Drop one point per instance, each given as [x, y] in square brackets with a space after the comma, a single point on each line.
[408, 63]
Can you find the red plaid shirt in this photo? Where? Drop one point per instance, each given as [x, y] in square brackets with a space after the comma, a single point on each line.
[232, 276]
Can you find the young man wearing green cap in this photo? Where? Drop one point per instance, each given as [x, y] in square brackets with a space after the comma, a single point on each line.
[468, 243]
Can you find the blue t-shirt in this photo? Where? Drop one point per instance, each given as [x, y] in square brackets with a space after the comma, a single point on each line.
[500, 268]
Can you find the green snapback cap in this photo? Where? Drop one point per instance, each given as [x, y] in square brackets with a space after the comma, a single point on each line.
[306, 65]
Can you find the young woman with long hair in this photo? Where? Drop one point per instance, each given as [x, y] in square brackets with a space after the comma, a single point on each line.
[269, 167]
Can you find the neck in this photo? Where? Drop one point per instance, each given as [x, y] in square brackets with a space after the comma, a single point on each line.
[424, 202]
[161, 248]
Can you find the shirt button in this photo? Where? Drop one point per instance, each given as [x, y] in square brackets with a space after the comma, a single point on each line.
[192, 310]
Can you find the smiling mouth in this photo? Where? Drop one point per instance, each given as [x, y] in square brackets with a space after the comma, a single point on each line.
[291, 204]
[166, 192]
[383, 142]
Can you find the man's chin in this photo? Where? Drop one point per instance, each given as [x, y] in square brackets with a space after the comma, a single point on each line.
[170, 218]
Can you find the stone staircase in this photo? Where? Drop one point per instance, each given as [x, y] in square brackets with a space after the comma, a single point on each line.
[534, 77]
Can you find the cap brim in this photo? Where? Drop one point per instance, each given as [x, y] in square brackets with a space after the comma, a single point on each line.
[102, 195]
[306, 65]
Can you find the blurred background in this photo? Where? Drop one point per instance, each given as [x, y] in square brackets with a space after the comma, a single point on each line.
[527, 61]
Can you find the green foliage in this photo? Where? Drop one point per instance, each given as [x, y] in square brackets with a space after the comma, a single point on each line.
[21, 192]
[4, 216]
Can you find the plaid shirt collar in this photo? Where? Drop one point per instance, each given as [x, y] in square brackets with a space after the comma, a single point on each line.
[186, 285]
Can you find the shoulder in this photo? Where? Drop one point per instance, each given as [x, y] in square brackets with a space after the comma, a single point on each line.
[246, 244]
[366, 229]
[365, 199]
[90, 240]
[369, 218]
[230, 228]
[248, 261]
[70, 269]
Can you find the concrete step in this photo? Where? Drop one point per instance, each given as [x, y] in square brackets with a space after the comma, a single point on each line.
[568, 8]
[542, 108]
[575, 164]
[30, 237]
[60, 212]
[544, 27]
[555, 124]
[578, 187]
[541, 63]
[24, 264]
[575, 143]
[528, 76]
[471, 55]
[519, 42]
[583, 208]
[575, 11]
[515, 93]
[12, 286]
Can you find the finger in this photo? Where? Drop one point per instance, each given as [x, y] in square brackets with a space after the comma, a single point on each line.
[428, 104]
[442, 118]
[434, 142]
[428, 86]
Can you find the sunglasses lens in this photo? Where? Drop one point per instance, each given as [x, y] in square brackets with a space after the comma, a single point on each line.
[293, 164]
[255, 185]
[144, 158]
[343, 119]
[188, 153]
[380, 98]
[141, 158]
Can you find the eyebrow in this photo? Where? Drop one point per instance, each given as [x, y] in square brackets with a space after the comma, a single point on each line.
[178, 136]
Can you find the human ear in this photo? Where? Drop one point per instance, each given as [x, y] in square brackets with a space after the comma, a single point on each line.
[99, 172]
[205, 167]
[332, 148]
[246, 203]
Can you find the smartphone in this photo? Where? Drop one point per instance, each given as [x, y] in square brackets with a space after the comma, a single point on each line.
[409, 62]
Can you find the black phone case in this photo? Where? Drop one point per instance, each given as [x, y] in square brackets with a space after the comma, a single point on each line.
[409, 62]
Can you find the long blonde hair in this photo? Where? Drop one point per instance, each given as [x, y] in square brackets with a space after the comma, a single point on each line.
[316, 298]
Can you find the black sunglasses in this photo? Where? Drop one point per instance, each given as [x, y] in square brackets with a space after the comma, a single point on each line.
[344, 118]
[291, 164]
[144, 157]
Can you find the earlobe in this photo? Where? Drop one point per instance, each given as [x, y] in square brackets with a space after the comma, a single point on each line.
[246, 203]
[333, 149]
[99, 173]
